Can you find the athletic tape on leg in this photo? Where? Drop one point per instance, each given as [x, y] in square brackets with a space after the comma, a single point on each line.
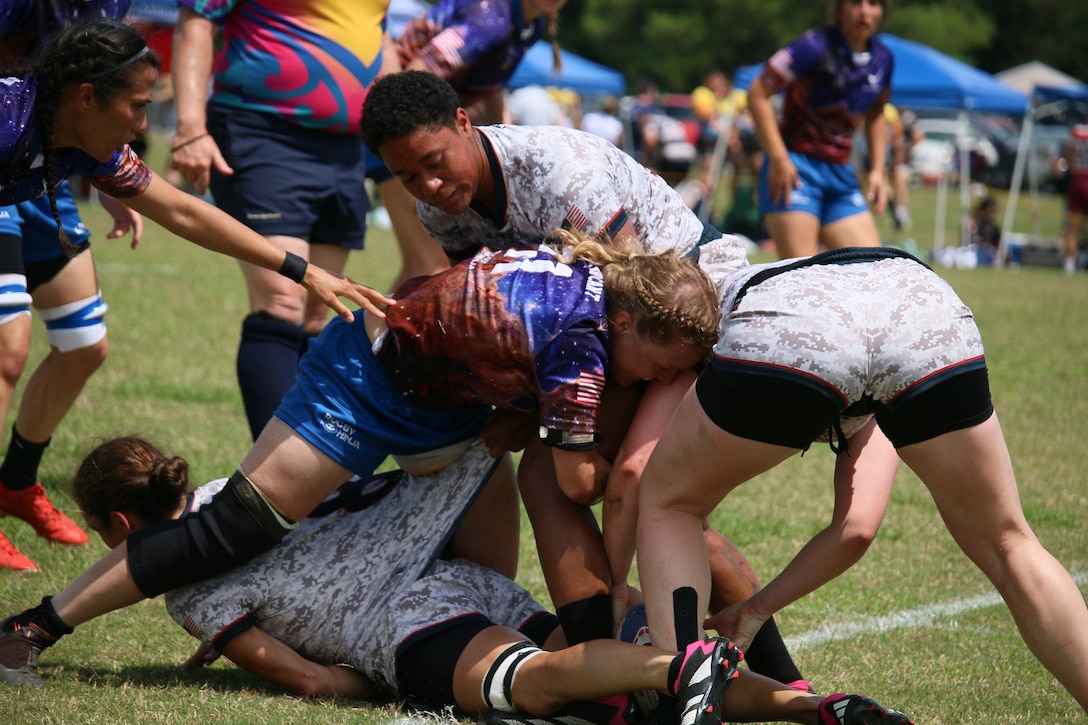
[14, 298]
[498, 686]
[76, 325]
[685, 616]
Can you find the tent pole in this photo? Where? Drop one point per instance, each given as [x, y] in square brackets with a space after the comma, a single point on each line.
[965, 178]
[716, 168]
[942, 205]
[1014, 190]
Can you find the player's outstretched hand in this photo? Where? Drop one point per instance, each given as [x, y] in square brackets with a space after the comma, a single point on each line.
[330, 287]
[205, 654]
[738, 622]
[125, 220]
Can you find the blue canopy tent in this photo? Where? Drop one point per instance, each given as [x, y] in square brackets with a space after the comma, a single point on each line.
[579, 74]
[1071, 92]
[927, 79]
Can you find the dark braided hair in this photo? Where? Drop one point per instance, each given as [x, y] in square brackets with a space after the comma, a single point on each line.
[130, 474]
[102, 52]
[666, 294]
[553, 34]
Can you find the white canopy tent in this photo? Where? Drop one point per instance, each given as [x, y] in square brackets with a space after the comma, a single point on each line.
[1026, 77]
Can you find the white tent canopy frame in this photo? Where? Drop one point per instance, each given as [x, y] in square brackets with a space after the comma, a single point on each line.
[1019, 166]
[1068, 95]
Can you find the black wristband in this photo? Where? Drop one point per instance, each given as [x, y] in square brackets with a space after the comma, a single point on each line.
[294, 267]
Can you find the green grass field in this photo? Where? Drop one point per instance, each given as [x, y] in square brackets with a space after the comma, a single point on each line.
[911, 624]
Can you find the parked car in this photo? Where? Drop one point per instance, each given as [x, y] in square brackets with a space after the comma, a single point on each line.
[678, 106]
[937, 153]
[1047, 144]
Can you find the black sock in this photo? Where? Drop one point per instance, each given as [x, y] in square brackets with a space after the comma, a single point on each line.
[267, 364]
[768, 656]
[586, 619]
[49, 621]
[674, 672]
[42, 625]
[20, 468]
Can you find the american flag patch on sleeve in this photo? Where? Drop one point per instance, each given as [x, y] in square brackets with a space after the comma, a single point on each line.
[589, 387]
[449, 44]
[191, 627]
[576, 219]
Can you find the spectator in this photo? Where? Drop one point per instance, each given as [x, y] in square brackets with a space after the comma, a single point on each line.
[905, 134]
[533, 106]
[605, 122]
[476, 46]
[832, 76]
[1076, 195]
[985, 233]
[643, 105]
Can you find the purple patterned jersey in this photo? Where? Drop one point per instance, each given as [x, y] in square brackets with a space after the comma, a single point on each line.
[22, 174]
[828, 90]
[474, 44]
[517, 329]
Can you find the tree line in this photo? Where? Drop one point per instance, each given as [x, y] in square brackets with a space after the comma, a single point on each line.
[675, 42]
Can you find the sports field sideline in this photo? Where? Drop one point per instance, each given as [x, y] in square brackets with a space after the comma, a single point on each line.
[914, 624]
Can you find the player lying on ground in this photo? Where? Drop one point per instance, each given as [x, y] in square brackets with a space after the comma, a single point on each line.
[410, 625]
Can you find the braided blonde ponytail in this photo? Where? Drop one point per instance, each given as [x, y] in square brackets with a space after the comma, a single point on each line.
[667, 295]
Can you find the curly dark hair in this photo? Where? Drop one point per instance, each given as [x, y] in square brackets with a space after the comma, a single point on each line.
[400, 103]
[102, 52]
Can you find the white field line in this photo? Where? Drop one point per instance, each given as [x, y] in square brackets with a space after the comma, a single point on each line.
[912, 618]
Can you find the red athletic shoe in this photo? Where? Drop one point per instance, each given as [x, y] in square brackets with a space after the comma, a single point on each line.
[33, 506]
[12, 558]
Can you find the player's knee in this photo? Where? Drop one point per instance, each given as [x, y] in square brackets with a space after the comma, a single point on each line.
[498, 684]
[81, 363]
[14, 352]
